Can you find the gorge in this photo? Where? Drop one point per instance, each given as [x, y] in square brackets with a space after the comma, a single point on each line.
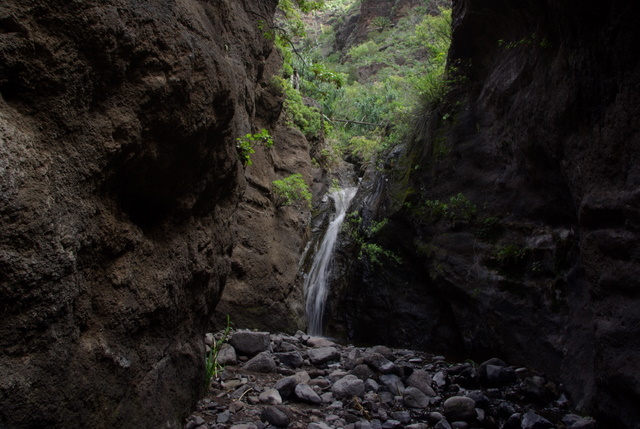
[130, 225]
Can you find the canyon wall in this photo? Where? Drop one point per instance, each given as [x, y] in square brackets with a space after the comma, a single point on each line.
[120, 180]
[516, 206]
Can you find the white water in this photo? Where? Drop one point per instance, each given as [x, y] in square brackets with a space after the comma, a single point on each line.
[315, 284]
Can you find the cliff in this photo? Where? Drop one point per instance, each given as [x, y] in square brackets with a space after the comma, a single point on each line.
[516, 207]
[120, 180]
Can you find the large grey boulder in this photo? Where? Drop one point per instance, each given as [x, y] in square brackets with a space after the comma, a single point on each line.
[248, 343]
[348, 387]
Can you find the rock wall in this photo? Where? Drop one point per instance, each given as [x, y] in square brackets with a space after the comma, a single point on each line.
[119, 180]
[264, 290]
[537, 260]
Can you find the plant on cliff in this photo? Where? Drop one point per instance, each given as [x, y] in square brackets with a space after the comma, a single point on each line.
[245, 145]
[364, 237]
[212, 367]
[292, 190]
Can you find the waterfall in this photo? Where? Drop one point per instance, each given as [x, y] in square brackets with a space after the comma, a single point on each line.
[315, 284]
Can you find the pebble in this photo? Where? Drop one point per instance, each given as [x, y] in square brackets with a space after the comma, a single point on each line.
[325, 385]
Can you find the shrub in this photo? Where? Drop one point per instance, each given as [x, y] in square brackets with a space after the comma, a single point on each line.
[291, 190]
[245, 145]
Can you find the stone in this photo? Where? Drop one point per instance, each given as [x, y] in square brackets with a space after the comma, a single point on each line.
[513, 422]
[318, 342]
[531, 420]
[277, 416]
[479, 398]
[421, 380]
[391, 424]
[224, 417]
[384, 351]
[434, 417]
[363, 372]
[318, 425]
[194, 422]
[348, 387]
[305, 393]
[370, 385]
[403, 417]
[460, 408]
[459, 425]
[393, 382]
[497, 376]
[380, 363]
[353, 359]
[291, 359]
[286, 386]
[263, 362]
[415, 398]
[323, 355]
[270, 397]
[534, 389]
[584, 423]
[227, 355]
[442, 424]
[244, 426]
[250, 343]
[440, 379]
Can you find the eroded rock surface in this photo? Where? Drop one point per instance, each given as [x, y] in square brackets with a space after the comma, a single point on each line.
[119, 179]
[515, 210]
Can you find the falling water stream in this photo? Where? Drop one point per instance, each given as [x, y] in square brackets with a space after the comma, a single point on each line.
[315, 284]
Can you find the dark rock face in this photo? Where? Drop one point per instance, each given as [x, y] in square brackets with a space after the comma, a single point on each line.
[540, 136]
[119, 179]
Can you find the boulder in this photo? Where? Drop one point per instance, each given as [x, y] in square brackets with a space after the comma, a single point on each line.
[249, 343]
[348, 387]
[263, 362]
[460, 408]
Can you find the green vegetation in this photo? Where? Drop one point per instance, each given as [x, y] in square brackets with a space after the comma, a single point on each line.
[457, 209]
[364, 96]
[364, 237]
[291, 190]
[245, 145]
[212, 367]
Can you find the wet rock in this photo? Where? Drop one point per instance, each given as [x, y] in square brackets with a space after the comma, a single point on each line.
[305, 393]
[277, 416]
[531, 420]
[421, 380]
[415, 398]
[250, 343]
[270, 397]
[323, 355]
[460, 408]
[347, 387]
[263, 362]
[292, 359]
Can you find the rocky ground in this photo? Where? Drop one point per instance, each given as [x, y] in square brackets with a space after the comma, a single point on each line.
[309, 382]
